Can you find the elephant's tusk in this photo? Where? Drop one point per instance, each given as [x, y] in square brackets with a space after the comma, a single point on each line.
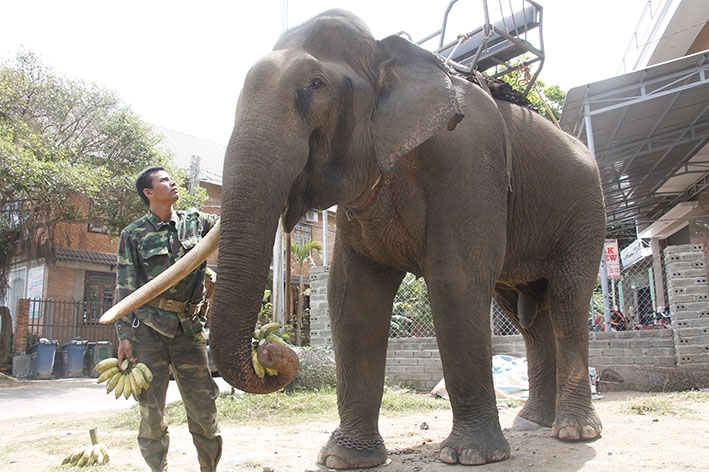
[165, 280]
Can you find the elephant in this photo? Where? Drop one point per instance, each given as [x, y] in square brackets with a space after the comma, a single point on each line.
[433, 176]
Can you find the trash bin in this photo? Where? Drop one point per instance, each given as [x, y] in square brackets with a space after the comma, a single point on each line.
[96, 351]
[42, 359]
[73, 358]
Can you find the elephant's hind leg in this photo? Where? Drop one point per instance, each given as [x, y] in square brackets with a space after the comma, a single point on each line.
[575, 417]
[540, 408]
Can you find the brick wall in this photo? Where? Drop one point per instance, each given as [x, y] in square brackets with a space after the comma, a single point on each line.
[647, 360]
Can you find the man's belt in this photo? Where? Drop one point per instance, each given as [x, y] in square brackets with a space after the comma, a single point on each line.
[175, 306]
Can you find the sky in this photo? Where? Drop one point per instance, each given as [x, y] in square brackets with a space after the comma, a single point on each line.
[181, 64]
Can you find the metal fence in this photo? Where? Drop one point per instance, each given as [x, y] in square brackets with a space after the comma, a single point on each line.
[635, 295]
[411, 315]
[64, 322]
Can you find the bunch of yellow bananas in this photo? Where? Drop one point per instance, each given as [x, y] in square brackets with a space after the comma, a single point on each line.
[94, 454]
[126, 379]
[261, 335]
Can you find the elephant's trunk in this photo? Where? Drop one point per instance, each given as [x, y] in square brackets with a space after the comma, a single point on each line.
[255, 187]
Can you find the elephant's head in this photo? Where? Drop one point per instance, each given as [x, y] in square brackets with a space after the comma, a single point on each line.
[319, 119]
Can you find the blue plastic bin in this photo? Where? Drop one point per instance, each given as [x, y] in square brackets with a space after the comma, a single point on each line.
[42, 359]
[73, 358]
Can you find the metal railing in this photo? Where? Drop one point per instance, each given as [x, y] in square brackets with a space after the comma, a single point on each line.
[64, 322]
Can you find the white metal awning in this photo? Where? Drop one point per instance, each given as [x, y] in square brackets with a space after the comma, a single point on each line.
[648, 130]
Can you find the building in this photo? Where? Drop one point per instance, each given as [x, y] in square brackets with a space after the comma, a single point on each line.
[77, 286]
[648, 129]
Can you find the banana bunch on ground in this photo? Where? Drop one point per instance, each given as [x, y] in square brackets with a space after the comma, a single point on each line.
[94, 454]
[125, 380]
[261, 335]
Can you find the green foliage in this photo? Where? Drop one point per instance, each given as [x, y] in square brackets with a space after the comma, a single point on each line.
[302, 252]
[411, 314]
[69, 153]
[547, 99]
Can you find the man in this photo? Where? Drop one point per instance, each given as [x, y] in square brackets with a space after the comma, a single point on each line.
[168, 330]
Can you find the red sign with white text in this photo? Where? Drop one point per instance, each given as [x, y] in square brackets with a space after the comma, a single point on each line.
[610, 252]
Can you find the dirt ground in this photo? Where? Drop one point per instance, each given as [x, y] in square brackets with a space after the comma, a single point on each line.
[631, 442]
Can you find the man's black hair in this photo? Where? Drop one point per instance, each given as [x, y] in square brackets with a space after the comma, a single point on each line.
[145, 180]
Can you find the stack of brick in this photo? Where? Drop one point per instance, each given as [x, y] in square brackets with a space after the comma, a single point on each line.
[320, 330]
[688, 295]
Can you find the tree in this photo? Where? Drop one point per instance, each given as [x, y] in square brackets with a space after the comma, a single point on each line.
[69, 153]
[547, 99]
[301, 252]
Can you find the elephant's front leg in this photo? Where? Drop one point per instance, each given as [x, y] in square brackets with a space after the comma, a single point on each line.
[360, 298]
[462, 319]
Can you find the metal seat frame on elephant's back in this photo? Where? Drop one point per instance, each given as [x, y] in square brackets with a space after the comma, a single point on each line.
[507, 40]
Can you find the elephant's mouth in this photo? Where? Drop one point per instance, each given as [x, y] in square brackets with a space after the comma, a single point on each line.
[295, 206]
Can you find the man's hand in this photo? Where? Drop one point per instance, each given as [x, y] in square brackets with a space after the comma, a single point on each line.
[125, 351]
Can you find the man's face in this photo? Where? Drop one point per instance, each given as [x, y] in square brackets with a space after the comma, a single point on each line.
[164, 189]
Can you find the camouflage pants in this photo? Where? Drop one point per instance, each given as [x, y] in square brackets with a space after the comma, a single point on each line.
[187, 355]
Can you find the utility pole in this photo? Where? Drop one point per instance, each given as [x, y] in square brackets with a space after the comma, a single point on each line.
[277, 293]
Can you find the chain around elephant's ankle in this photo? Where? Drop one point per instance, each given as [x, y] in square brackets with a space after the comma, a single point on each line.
[344, 440]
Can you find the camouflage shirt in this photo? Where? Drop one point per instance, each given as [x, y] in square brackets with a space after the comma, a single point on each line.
[147, 247]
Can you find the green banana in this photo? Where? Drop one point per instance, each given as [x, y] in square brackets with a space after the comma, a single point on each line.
[85, 456]
[128, 385]
[93, 454]
[112, 382]
[275, 339]
[104, 452]
[73, 456]
[268, 328]
[145, 371]
[107, 374]
[120, 385]
[258, 368]
[125, 364]
[106, 364]
[135, 385]
[139, 379]
[76, 455]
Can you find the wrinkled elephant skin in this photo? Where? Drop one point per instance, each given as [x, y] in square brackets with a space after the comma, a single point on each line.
[431, 176]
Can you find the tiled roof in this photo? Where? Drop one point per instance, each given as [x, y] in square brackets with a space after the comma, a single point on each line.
[92, 257]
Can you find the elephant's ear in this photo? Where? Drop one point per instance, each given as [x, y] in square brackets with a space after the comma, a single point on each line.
[416, 99]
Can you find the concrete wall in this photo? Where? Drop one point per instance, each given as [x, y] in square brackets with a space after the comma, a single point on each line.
[646, 360]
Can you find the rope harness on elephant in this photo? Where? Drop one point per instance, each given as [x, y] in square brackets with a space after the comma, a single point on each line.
[497, 89]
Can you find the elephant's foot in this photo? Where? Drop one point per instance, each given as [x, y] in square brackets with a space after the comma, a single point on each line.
[539, 413]
[345, 452]
[476, 448]
[577, 426]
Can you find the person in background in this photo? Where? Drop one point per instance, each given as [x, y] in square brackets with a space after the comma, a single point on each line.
[618, 321]
[167, 333]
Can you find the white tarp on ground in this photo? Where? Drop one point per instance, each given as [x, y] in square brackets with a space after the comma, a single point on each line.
[509, 375]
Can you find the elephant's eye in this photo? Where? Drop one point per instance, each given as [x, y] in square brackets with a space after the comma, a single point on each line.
[315, 83]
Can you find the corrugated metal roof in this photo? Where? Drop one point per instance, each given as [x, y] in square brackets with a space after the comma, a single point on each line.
[185, 146]
[78, 255]
[648, 130]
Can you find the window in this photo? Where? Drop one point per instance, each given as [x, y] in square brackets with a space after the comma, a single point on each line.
[302, 233]
[98, 293]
